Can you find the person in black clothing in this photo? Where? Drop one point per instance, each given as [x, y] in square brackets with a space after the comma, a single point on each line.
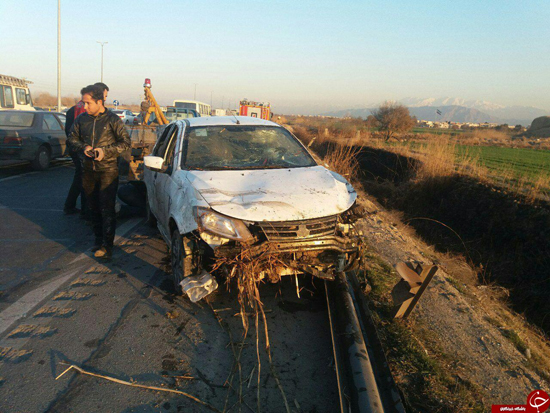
[101, 136]
[76, 187]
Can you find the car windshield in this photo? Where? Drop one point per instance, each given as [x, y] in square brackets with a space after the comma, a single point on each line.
[243, 147]
[21, 119]
[118, 112]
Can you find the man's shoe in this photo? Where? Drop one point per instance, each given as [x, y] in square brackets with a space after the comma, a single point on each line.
[104, 253]
[70, 211]
[96, 248]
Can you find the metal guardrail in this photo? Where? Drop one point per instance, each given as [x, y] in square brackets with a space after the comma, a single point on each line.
[364, 380]
[356, 381]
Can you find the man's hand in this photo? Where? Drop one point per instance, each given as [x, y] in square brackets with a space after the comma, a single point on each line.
[89, 152]
[99, 154]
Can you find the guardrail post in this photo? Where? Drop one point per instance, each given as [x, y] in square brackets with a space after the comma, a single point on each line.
[416, 281]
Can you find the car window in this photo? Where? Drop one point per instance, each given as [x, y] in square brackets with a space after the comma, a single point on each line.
[52, 122]
[7, 97]
[16, 118]
[163, 148]
[170, 152]
[21, 96]
[62, 119]
[243, 147]
[160, 146]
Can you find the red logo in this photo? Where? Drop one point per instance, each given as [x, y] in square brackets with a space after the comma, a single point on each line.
[538, 401]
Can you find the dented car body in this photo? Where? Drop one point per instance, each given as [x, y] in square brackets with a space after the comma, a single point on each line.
[217, 186]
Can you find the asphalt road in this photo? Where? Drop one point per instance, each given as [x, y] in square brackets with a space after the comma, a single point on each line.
[122, 319]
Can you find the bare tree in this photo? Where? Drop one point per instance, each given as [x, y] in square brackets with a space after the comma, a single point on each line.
[393, 118]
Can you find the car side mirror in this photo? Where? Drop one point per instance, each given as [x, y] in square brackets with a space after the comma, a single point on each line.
[154, 163]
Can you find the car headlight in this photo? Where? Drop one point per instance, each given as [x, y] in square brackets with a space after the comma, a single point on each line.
[220, 225]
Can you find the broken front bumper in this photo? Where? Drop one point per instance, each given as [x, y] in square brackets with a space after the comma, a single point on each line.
[320, 257]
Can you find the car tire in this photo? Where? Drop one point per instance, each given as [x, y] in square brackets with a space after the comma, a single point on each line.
[150, 218]
[127, 122]
[183, 264]
[42, 159]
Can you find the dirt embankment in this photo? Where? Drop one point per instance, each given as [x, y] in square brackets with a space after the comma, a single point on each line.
[463, 348]
[505, 236]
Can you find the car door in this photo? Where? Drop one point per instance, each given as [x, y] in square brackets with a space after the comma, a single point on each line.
[62, 118]
[169, 188]
[164, 178]
[151, 177]
[55, 134]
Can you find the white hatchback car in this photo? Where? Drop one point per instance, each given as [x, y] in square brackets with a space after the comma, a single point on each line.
[216, 185]
[125, 115]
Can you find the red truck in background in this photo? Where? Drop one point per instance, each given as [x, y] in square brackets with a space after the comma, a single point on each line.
[260, 110]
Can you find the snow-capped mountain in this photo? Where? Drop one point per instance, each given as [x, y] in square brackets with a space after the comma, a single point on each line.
[458, 110]
[499, 113]
[480, 105]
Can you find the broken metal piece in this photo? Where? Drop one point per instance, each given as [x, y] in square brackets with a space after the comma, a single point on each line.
[312, 270]
[415, 280]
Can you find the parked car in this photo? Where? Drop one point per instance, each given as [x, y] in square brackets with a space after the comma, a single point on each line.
[34, 136]
[217, 185]
[126, 116]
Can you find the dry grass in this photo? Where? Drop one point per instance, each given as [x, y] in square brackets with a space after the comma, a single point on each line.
[343, 159]
[485, 137]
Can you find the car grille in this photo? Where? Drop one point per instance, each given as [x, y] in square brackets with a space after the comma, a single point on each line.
[292, 230]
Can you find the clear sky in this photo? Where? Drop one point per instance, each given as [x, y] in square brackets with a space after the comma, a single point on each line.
[302, 56]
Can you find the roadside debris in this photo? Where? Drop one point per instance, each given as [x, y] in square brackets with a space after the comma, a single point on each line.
[141, 386]
[198, 286]
[414, 282]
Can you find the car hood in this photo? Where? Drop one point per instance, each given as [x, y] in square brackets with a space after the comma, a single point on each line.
[274, 194]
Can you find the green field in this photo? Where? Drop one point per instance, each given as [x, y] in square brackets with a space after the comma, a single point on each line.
[438, 131]
[528, 163]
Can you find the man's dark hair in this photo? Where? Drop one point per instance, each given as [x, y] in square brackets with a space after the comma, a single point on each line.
[103, 86]
[94, 91]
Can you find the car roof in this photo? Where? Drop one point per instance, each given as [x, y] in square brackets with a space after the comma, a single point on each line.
[228, 120]
[21, 111]
[33, 111]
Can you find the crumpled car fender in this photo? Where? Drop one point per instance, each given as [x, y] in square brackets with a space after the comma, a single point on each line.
[186, 199]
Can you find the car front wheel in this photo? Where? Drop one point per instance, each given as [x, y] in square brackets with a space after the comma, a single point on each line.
[42, 159]
[183, 263]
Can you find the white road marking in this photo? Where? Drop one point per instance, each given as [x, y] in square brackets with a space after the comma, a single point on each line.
[30, 300]
[33, 299]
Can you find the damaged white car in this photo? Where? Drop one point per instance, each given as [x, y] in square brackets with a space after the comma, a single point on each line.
[218, 186]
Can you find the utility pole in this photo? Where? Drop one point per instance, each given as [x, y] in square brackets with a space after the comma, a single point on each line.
[195, 95]
[102, 44]
[59, 55]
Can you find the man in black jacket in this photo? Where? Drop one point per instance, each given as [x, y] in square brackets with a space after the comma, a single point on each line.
[101, 136]
[76, 187]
